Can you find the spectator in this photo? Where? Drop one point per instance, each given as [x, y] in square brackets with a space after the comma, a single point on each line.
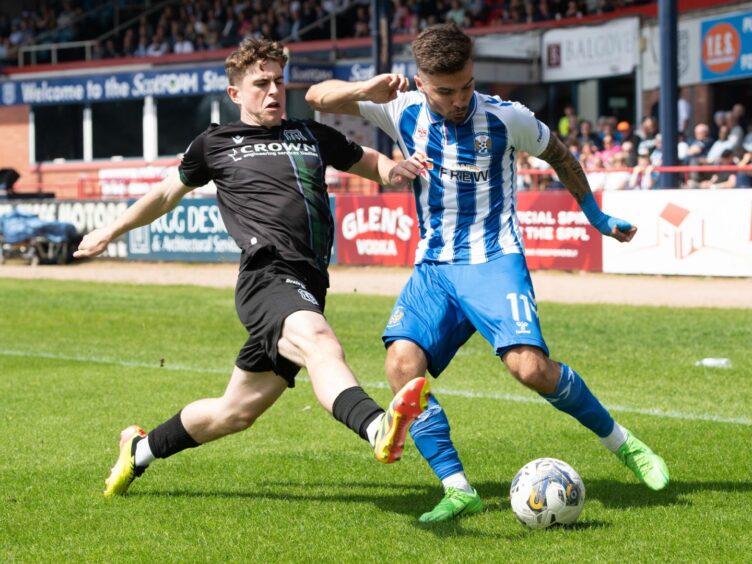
[158, 45]
[744, 179]
[735, 132]
[618, 175]
[720, 145]
[586, 134]
[573, 10]
[656, 155]
[524, 179]
[596, 175]
[229, 34]
[110, 51]
[699, 145]
[588, 155]
[574, 147]
[719, 119]
[20, 33]
[296, 24]
[629, 141]
[724, 178]
[648, 131]
[544, 11]
[610, 148]
[456, 13]
[642, 177]
[747, 142]
[65, 20]
[740, 113]
[142, 47]
[182, 44]
[199, 44]
[128, 46]
[568, 122]
[5, 50]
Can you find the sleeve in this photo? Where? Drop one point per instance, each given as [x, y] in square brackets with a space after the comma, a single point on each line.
[336, 149]
[386, 116]
[193, 169]
[528, 133]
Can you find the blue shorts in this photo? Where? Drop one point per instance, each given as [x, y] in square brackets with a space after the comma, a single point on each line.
[442, 305]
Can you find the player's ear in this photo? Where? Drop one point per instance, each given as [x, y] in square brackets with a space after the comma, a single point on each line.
[234, 93]
[418, 82]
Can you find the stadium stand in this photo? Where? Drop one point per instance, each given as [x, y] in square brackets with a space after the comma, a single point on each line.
[616, 153]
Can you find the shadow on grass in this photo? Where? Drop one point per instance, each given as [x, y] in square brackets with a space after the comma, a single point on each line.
[411, 500]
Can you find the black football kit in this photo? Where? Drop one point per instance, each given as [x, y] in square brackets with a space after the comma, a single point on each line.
[271, 192]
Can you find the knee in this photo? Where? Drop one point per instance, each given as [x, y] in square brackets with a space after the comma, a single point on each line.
[533, 371]
[403, 363]
[321, 344]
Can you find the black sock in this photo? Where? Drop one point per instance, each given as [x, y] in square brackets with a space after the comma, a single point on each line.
[170, 438]
[356, 409]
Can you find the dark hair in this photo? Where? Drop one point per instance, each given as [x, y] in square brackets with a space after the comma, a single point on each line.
[249, 52]
[727, 153]
[442, 49]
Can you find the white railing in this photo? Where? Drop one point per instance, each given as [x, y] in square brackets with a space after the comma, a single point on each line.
[53, 49]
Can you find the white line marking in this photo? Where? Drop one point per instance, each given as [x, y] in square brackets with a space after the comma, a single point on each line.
[383, 385]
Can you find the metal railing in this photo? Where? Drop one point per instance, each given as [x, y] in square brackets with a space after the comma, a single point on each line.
[53, 49]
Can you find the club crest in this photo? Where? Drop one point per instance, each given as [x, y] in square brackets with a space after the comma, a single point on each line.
[483, 144]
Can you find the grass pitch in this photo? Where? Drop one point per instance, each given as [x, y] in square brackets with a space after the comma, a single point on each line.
[80, 361]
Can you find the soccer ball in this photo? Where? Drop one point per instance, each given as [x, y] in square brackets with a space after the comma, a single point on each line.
[545, 492]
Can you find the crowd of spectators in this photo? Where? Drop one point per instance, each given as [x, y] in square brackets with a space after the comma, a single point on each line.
[617, 156]
[196, 25]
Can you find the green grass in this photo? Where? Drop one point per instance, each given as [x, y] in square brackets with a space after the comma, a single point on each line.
[78, 362]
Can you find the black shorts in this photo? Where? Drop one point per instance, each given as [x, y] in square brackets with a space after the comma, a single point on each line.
[264, 297]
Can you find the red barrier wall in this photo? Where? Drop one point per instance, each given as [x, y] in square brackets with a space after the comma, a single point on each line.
[376, 229]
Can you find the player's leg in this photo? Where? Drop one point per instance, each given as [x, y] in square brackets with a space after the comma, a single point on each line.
[565, 389]
[308, 340]
[246, 397]
[498, 298]
[424, 320]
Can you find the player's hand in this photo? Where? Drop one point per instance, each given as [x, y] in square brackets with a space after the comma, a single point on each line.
[93, 243]
[383, 88]
[408, 170]
[621, 230]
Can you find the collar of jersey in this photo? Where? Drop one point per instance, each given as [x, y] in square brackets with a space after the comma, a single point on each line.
[438, 118]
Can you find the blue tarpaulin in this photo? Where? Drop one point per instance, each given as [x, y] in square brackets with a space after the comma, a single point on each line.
[18, 226]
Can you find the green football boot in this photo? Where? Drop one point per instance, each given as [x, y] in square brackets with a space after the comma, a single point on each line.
[646, 465]
[455, 503]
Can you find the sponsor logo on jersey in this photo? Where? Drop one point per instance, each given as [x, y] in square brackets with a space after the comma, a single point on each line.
[238, 139]
[522, 328]
[397, 315]
[293, 135]
[272, 149]
[483, 144]
[421, 133]
[464, 173]
[295, 282]
[307, 296]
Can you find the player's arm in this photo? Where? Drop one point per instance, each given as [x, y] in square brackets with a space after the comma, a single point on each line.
[383, 170]
[152, 205]
[340, 97]
[573, 177]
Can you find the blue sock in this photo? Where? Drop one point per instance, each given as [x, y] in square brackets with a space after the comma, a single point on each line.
[572, 396]
[430, 432]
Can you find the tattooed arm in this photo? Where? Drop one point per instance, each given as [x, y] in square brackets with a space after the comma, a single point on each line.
[573, 177]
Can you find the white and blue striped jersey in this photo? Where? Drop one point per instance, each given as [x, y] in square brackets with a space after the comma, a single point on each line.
[466, 204]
